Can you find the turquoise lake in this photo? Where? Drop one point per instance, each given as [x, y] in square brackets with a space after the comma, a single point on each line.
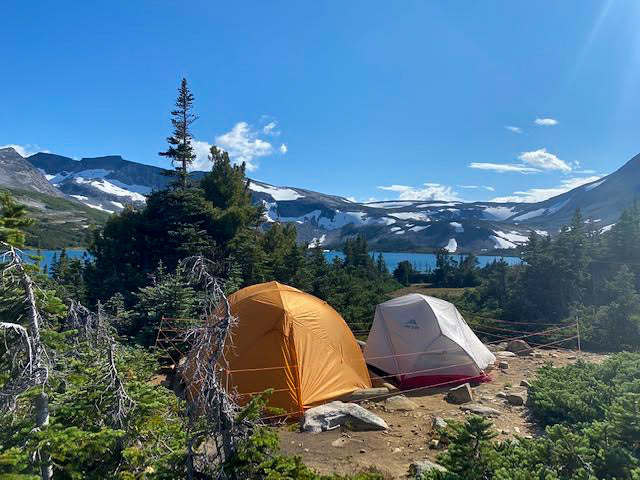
[420, 261]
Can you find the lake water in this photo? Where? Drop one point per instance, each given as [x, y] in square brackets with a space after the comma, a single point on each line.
[423, 261]
[420, 261]
[48, 255]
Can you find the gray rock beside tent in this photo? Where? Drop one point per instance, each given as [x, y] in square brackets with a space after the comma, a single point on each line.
[335, 414]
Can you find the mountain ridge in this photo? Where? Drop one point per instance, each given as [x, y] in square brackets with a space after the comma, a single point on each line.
[110, 182]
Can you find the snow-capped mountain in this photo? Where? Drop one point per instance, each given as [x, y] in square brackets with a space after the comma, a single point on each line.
[104, 183]
[111, 182]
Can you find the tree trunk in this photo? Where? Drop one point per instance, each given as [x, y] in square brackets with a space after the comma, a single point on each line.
[42, 421]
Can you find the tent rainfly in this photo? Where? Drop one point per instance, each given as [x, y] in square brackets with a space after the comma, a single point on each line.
[425, 341]
[294, 343]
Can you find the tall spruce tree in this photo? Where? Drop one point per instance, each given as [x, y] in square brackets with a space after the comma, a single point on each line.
[180, 149]
[13, 218]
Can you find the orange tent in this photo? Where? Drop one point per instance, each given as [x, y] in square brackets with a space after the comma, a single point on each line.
[294, 343]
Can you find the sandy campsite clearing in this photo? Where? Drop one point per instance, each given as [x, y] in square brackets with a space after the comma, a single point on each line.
[409, 437]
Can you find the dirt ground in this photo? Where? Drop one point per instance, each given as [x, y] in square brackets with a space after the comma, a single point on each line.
[410, 433]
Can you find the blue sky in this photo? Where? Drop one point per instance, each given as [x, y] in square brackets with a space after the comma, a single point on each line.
[342, 97]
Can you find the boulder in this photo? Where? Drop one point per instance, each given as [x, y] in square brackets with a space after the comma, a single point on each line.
[460, 394]
[481, 410]
[516, 399]
[439, 423]
[418, 469]
[519, 347]
[401, 403]
[334, 414]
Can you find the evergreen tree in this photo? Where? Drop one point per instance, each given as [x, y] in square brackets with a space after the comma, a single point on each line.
[180, 150]
[13, 219]
[381, 265]
[403, 272]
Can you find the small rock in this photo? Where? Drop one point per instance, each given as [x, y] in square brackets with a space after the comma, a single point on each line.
[435, 444]
[362, 450]
[505, 354]
[400, 403]
[519, 347]
[396, 450]
[364, 393]
[340, 442]
[460, 394]
[333, 414]
[571, 357]
[480, 410]
[525, 383]
[503, 365]
[537, 355]
[516, 429]
[516, 399]
[501, 395]
[439, 423]
[420, 468]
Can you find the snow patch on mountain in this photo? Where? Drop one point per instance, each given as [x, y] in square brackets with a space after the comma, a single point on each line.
[411, 216]
[554, 208]
[594, 185]
[498, 213]
[501, 242]
[512, 236]
[457, 226]
[531, 214]
[389, 204]
[98, 207]
[110, 188]
[277, 193]
[451, 246]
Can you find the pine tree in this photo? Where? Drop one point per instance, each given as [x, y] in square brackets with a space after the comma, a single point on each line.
[381, 265]
[180, 149]
[13, 218]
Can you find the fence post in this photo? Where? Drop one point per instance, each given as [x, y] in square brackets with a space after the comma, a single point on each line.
[578, 328]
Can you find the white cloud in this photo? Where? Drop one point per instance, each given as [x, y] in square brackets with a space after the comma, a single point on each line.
[202, 150]
[489, 188]
[25, 150]
[428, 191]
[271, 128]
[503, 167]
[243, 145]
[539, 194]
[513, 129]
[532, 162]
[242, 142]
[546, 161]
[547, 122]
